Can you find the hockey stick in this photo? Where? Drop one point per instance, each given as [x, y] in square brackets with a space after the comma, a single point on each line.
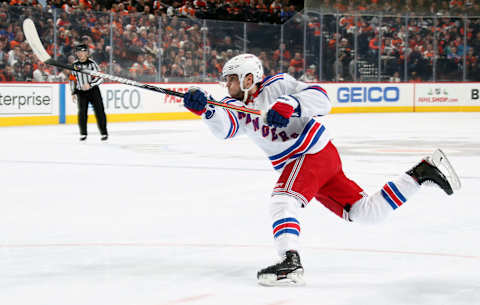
[34, 41]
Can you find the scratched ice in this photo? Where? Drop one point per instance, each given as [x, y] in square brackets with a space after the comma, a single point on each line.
[164, 213]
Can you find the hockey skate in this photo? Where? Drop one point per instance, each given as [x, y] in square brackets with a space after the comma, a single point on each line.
[288, 272]
[437, 169]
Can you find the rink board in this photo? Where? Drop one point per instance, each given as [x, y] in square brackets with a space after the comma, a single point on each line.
[30, 104]
[51, 103]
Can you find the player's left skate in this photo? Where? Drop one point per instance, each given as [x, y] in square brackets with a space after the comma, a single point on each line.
[288, 272]
[437, 169]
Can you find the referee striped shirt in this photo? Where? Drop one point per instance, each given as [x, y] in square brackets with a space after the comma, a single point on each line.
[81, 78]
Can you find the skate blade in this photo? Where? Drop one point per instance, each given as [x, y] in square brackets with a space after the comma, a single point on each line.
[292, 279]
[440, 160]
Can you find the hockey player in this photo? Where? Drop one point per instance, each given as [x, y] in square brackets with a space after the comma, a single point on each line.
[299, 147]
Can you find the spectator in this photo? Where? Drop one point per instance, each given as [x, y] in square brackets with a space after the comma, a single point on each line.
[472, 66]
[7, 75]
[99, 53]
[343, 62]
[62, 76]
[3, 50]
[41, 74]
[292, 71]
[27, 72]
[225, 44]
[416, 63]
[297, 62]
[310, 75]
[375, 46]
[18, 71]
[282, 50]
[14, 55]
[395, 78]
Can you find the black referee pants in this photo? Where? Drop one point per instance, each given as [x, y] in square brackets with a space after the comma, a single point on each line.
[94, 97]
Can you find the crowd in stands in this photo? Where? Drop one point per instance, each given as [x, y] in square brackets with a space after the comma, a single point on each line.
[185, 40]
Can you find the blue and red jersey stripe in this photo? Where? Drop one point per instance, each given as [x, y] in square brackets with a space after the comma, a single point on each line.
[317, 88]
[310, 135]
[267, 82]
[234, 125]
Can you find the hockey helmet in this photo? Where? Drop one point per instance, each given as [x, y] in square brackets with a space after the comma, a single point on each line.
[242, 65]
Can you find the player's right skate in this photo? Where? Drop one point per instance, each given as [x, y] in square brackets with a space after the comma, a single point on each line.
[436, 169]
[288, 272]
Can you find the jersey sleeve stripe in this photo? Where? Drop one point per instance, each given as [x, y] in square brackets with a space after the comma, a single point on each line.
[297, 147]
[317, 88]
[300, 139]
[233, 124]
[308, 139]
[315, 140]
[300, 150]
[267, 82]
[228, 100]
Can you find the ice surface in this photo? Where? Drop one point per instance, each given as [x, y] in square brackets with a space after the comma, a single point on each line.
[164, 213]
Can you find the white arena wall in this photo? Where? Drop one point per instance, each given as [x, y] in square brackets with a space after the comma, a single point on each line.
[51, 103]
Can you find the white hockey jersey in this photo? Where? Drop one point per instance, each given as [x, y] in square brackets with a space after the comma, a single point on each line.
[303, 135]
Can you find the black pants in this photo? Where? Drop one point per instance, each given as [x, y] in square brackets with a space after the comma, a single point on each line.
[93, 96]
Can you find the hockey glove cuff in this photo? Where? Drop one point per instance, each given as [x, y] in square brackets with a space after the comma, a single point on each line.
[280, 112]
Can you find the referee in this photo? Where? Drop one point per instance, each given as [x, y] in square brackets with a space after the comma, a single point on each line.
[85, 90]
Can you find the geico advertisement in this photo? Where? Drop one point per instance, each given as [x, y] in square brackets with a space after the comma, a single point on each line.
[26, 99]
[119, 98]
[369, 95]
[439, 94]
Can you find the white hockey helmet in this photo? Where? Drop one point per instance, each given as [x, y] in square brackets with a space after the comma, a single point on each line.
[242, 65]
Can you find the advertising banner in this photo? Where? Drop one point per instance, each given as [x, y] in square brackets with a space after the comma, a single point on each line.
[439, 95]
[27, 99]
[52, 103]
[472, 94]
[370, 97]
[30, 104]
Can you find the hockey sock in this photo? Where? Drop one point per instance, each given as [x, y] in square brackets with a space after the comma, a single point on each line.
[396, 193]
[375, 208]
[286, 225]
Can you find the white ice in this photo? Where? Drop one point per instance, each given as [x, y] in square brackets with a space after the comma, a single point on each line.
[164, 213]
